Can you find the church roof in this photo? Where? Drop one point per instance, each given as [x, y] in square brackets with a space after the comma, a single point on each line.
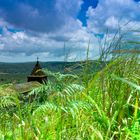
[37, 70]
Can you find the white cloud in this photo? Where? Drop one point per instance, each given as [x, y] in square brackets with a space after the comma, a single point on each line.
[112, 15]
[49, 45]
[112, 22]
[24, 45]
[109, 14]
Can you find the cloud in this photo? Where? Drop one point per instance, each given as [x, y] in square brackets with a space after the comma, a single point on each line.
[22, 44]
[111, 14]
[36, 27]
[38, 15]
[41, 27]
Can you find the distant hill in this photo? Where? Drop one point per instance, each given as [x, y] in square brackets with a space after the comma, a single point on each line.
[15, 68]
[10, 72]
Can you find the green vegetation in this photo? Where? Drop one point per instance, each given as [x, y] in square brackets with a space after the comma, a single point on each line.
[101, 105]
[18, 72]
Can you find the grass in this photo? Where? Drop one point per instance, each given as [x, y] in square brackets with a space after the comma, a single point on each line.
[93, 106]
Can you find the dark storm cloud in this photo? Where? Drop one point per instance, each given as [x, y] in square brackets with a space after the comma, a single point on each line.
[60, 38]
[38, 15]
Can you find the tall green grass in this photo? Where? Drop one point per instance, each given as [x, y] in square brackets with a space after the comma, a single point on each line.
[101, 106]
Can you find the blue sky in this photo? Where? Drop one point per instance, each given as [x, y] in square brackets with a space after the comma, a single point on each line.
[84, 8]
[31, 28]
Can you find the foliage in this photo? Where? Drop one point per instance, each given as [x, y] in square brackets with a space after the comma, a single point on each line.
[93, 106]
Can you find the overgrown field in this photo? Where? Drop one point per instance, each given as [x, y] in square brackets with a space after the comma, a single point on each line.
[92, 106]
[89, 103]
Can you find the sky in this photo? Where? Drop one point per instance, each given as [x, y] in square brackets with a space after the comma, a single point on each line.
[58, 30]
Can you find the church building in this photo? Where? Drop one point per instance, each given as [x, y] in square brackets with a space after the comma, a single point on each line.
[37, 74]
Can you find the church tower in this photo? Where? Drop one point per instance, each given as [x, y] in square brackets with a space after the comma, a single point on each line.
[37, 74]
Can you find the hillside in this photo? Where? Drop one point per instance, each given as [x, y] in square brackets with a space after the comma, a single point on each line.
[17, 72]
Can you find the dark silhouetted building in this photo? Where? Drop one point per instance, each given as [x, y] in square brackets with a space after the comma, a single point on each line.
[37, 74]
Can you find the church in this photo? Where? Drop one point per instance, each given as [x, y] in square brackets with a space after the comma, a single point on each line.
[37, 74]
[34, 80]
